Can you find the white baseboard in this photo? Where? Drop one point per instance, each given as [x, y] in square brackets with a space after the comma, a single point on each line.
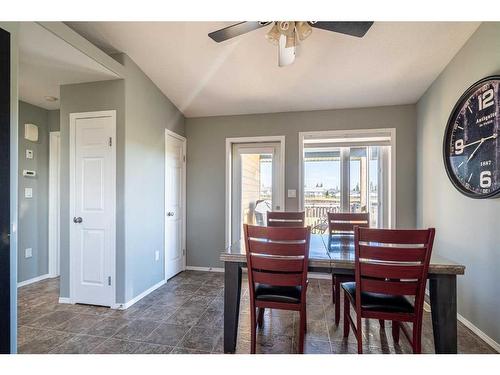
[487, 339]
[495, 345]
[124, 306]
[65, 300]
[33, 280]
[207, 269]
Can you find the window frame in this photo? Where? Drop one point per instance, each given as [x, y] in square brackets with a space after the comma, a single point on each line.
[353, 138]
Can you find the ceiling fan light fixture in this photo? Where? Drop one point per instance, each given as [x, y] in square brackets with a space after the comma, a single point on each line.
[290, 41]
[274, 34]
[303, 29]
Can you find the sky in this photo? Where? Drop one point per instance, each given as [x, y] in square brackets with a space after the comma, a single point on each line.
[326, 172]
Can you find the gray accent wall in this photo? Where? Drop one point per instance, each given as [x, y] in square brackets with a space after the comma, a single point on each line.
[89, 97]
[467, 230]
[143, 114]
[33, 212]
[206, 164]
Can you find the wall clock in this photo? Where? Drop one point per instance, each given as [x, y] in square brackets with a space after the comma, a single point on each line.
[471, 147]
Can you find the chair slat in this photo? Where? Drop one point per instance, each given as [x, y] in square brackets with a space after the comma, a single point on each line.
[345, 222]
[408, 288]
[394, 236]
[341, 227]
[277, 248]
[401, 254]
[277, 234]
[285, 219]
[278, 279]
[284, 265]
[390, 271]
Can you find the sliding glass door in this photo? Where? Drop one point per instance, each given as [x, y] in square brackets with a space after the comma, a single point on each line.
[346, 175]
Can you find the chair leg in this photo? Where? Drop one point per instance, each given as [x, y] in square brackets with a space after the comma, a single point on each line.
[333, 288]
[254, 330]
[347, 314]
[359, 334]
[337, 301]
[302, 329]
[395, 331]
[260, 319]
[417, 338]
[382, 323]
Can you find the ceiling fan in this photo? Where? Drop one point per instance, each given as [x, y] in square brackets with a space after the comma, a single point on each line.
[287, 34]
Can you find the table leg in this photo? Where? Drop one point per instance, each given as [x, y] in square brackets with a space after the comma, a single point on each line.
[232, 294]
[443, 296]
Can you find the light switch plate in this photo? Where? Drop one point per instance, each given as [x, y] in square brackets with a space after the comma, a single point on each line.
[29, 154]
[28, 253]
[157, 255]
[28, 192]
[292, 193]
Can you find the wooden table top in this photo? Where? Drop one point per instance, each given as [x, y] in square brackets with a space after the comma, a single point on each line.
[338, 253]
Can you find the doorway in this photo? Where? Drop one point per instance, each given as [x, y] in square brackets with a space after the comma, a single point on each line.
[92, 207]
[175, 204]
[256, 183]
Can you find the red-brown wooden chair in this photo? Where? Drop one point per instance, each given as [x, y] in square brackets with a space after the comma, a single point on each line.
[277, 261]
[343, 224]
[390, 266]
[285, 219]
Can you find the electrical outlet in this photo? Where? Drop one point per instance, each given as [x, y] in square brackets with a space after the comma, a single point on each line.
[157, 255]
[28, 253]
[29, 154]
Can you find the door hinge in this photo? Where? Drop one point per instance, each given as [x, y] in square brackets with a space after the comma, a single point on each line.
[184, 158]
[110, 141]
[109, 280]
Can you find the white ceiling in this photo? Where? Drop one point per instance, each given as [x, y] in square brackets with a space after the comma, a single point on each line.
[393, 64]
[46, 62]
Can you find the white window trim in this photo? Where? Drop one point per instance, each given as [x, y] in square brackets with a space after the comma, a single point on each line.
[355, 133]
[229, 152]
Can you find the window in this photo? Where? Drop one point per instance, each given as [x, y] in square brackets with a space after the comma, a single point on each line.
[346, 173]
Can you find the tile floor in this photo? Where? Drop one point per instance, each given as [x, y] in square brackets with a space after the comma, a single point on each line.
[186, 316]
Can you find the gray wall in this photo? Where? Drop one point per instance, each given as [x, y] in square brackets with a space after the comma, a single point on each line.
[143, 114]
[33, 212]
[206, 164]
[467, 230]
[148, 113]
[54, 120]
[87, 97]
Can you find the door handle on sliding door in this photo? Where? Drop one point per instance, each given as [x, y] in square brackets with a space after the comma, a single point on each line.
[77, 220]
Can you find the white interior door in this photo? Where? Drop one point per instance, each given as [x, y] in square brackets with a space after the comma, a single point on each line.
[174, 204]
[93, 197]
[256, 184]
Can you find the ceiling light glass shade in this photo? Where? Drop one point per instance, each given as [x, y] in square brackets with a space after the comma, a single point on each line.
[291, 41]
[303, 29]
[274, 34]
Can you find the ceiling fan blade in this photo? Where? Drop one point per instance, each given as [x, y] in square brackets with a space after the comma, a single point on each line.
[355, 28]
[236, 30]
[286, 56]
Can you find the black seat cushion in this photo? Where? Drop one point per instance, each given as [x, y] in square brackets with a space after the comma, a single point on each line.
[287, 294]
[379, 302]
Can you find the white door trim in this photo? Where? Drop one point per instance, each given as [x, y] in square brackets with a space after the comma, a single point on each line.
[54, 202]
[354, 133]
[183, 193]
[72, 190]
[229, 152]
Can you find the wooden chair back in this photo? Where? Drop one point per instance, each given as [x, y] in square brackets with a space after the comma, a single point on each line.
[285, 219]
[392, 261]
[277, 256]
[344, 223]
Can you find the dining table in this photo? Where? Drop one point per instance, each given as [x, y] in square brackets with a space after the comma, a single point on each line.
[335, 253]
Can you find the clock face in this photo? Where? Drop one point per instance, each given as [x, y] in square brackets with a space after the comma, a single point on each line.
[472, 140]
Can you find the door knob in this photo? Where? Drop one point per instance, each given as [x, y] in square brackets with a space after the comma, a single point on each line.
[77, 220]
[170, 214]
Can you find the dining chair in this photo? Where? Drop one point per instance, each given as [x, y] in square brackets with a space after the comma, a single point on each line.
[343, 224]
[285, 219]
[277, 261]
[390, 266]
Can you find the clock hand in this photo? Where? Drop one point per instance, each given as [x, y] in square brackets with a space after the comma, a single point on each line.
[480, 140]
[473, 152]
